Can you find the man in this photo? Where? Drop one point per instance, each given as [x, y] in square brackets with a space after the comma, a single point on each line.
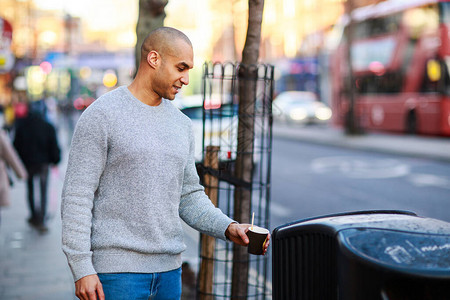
[37, 145]
[131, 176]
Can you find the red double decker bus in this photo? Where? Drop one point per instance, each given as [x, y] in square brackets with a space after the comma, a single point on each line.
[400, 53]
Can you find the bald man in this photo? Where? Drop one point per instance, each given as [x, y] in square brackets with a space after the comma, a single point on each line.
[130, 180]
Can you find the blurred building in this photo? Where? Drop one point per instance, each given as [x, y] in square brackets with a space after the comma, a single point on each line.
[51, 47]
[217, 28]
[37, 31]
[290, 27]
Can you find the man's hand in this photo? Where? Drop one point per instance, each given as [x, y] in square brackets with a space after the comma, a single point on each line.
[237, 234]
[89, 287]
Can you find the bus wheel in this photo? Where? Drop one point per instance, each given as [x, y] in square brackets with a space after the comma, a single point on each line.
[411, 123]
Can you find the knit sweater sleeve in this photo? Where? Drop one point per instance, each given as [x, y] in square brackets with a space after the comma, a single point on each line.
[196, 209]
[87, 159]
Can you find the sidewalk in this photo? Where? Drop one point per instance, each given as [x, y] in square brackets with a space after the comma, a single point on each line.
[32, 264]
[437, 148]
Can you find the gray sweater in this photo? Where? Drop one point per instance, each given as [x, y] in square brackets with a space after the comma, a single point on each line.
[130, 177]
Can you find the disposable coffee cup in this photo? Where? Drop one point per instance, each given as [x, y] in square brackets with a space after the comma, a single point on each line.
[258, 238]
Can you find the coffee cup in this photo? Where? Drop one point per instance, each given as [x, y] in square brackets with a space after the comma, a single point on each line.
[258, 238]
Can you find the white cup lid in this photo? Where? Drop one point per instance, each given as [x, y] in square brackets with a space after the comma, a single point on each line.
[260, 230]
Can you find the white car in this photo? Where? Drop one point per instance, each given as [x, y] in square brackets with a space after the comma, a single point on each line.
[220, 128]
[300, 107]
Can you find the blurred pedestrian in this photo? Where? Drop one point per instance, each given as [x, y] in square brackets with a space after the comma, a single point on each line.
[131, 178]
[37, 144]
[8, 160]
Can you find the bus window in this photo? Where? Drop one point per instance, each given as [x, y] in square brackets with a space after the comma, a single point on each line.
[444, 12]
[366, 53]
[421, 20]
[446, 76]
[377, 26]
[389, 83]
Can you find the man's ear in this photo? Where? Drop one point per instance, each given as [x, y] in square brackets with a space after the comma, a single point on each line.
[153, 58]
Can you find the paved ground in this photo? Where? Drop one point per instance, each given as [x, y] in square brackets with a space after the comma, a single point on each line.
[410, 145]
[33, 267]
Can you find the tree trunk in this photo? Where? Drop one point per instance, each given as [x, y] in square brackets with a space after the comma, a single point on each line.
[151, 16]
[250, 54]
[248, 73]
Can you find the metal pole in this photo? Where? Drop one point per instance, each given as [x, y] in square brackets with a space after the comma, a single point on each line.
[351, 125]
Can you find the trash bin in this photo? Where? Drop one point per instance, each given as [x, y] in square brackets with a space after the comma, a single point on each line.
[362, 255]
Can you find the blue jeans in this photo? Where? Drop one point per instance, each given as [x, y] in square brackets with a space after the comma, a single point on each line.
[142, 286]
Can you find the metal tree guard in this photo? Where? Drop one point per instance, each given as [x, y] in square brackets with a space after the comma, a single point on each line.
[221, 118]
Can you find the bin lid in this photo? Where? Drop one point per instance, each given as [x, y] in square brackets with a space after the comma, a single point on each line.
[402, 250]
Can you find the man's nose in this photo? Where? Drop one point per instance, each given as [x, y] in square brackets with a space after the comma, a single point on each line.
[185, 79]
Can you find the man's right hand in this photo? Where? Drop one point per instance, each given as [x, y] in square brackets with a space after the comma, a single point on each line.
[89, 287]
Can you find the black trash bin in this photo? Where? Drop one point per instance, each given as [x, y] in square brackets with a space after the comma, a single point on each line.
[362, 255]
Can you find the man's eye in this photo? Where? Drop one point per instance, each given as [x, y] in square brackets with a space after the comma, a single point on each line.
[181, 69]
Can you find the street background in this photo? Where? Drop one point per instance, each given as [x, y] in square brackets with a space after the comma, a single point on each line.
[68, 53]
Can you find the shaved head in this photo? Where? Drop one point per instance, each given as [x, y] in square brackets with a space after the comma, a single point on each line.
[162, 40]
[166, 58]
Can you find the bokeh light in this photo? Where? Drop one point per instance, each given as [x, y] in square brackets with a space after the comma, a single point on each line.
[109, 79]
[46, 67]
[85, 72]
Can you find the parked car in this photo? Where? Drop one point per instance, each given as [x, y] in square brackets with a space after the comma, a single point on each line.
[220, 128]
[300, 107]
[182, 101]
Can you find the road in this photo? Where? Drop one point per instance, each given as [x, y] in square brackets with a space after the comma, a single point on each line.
[312, 180]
